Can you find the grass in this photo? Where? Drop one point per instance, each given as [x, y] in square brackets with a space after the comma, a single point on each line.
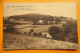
[16, 41]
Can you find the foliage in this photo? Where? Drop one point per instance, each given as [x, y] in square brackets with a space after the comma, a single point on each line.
[68, 32]
[10, 28]
[54, 30]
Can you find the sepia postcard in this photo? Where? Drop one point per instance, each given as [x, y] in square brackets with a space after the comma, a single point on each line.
[40, 26]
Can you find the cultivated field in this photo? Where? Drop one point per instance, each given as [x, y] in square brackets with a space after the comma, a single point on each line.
[37, 28]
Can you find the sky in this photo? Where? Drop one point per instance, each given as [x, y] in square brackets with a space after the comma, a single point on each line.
[66, 9]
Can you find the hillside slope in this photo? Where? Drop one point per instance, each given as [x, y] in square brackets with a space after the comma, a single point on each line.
[16, 41]
[32, 17]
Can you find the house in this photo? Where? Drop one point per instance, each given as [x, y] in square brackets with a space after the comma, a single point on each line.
[54, 22]
[40, 22]
[63, 22]
[51, 22]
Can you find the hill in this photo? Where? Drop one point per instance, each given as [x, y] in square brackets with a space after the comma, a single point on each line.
[15, 41]
[32, 17]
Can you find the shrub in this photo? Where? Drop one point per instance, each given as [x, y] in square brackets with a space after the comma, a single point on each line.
[70, 31]
[31, 32]
[40, 34]
[54, 30]
[35, 34]
[10, 28]
[70, 27]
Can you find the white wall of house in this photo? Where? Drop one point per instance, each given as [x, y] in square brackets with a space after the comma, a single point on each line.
[40, 21]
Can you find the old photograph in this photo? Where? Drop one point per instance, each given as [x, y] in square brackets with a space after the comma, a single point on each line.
[40, 26]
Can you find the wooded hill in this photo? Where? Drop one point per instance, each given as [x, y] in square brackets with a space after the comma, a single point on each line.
[36, 17]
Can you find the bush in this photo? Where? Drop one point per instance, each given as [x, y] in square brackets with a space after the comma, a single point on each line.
[10, 28]
[40, 34]
[70, 31]
[70, 28]
[54, 30]
[35, 34]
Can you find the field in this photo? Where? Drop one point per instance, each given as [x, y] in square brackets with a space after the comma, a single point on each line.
[24, 41]
[37, 28]
[16, 41]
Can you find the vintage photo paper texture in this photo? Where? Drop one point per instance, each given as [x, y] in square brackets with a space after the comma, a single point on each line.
[39, 26]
